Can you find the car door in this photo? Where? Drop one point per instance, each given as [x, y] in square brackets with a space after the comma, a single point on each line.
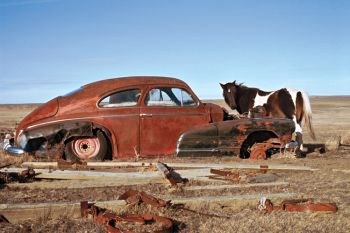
[167, 112]
[120, 111]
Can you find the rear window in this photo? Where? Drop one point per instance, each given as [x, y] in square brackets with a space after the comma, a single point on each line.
[124, 98]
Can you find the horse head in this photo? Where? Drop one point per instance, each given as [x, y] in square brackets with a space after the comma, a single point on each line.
[230, 93]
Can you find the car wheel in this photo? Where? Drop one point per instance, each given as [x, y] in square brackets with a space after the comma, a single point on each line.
[87, 148]
[251, 145]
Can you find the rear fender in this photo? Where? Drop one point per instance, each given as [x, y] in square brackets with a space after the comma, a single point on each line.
[39, 138]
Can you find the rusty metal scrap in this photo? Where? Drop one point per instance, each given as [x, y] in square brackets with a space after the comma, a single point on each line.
[3, 219]
[169, 173]
[22, 177]
[226, 175]
[6, 165]
[258, 150]
[297, 205]
[76, 165]
[234, 176]
[134, 197]
[112, 221]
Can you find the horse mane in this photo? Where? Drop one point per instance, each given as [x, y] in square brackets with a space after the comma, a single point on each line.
[238, 84]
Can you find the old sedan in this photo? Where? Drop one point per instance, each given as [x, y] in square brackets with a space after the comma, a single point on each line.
[141, 116]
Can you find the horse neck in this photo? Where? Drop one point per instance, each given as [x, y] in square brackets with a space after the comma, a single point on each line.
[245, 99]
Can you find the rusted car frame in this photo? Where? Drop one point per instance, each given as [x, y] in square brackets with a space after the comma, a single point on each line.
[141, 116]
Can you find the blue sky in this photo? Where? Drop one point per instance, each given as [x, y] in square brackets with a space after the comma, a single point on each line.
[49, 47]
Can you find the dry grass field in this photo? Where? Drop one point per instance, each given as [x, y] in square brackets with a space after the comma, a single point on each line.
[331, 183]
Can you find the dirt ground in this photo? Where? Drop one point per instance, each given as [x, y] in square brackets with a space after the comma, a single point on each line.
[331, 117]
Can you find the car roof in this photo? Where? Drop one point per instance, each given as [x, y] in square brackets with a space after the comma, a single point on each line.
[132, 81]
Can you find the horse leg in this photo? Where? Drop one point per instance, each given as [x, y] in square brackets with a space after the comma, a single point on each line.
[298, 138]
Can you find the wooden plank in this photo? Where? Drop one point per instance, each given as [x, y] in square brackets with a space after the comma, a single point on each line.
[93, 183]
[231, 186]
[341, 170]
[89, 179]
[91, 164]
[231, 198]
[82, 175]
[177, 165]
[243, 166]
[85, 175]
[17, 213]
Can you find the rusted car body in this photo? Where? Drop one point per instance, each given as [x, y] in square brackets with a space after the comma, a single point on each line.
[138, 116]
[240, 137]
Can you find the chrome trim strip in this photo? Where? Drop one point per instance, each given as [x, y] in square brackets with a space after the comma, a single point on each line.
[116, 115]
[81, 118]
[199, 150]
[174, 114]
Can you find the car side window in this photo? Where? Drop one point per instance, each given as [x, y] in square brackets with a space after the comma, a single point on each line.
[168, 96]
[187, 99]
[124, 98]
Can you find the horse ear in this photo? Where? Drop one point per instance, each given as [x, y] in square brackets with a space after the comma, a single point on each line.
[222, 85]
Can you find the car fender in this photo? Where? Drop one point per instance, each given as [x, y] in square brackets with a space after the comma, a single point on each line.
[34, 138]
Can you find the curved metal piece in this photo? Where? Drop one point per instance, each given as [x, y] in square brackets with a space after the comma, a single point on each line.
[297, 205]
[134, 197]
[6, 145]
[13, 150]
[112, 221]
[258, 150]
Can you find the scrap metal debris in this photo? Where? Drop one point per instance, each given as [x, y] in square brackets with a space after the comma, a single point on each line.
[76, 165]
[113, 222]
[169, 173]
[258, 150]
[22, 177]
[297, 205]
[3, 219]
[134, 197]
[225, 175]
[6, 165]
[247, 177]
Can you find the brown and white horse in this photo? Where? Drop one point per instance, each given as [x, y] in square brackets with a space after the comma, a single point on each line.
[285, 103]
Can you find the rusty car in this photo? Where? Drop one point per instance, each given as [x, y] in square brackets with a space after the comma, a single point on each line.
[144, 116]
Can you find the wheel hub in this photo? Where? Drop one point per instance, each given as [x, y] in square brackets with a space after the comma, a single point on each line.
[258, 151]
[86, 148]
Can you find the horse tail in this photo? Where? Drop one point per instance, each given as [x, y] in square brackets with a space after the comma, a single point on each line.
[307, 116]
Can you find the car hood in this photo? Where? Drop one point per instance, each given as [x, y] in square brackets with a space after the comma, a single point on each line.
[44, 111]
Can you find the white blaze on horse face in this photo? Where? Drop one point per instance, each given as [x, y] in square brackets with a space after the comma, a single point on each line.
[260, 100]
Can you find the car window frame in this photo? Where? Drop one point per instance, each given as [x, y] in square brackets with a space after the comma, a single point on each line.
[120, 90]
[194, 97]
